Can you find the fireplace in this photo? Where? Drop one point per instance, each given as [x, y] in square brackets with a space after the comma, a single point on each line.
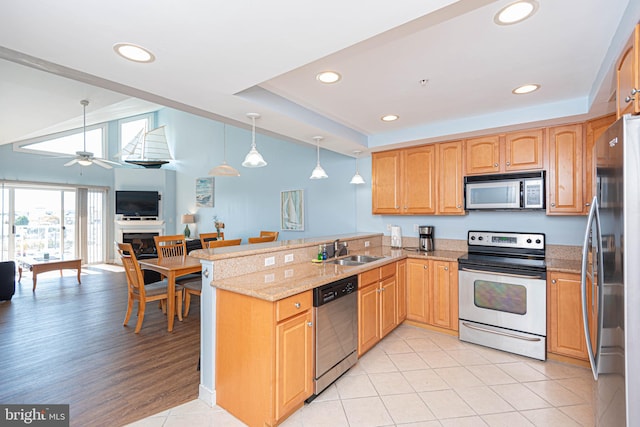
[142, 243]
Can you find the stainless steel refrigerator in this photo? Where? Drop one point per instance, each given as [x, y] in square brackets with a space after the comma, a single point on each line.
[611, 276]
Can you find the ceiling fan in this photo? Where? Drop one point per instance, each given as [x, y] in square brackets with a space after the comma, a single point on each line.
[84, 157]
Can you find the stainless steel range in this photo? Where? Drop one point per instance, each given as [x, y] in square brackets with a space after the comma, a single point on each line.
[502, 292]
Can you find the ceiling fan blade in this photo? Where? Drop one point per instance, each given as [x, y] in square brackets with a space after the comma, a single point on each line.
[108, 161]
[72, 162]
[103, 163]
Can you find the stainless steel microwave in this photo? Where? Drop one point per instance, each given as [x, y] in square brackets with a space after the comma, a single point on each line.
[513, 191]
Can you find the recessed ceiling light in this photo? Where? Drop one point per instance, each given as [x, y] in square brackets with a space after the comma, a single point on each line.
[390, 118]
[528, 88]
[133, 52]
[328, 77]
[516, 12]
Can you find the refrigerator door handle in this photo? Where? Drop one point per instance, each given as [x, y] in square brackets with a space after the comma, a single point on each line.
[593, 216]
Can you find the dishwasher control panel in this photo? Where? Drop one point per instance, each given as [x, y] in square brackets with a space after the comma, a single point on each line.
[334, 290]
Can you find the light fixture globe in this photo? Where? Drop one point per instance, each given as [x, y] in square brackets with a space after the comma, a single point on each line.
[357, 178]
[318, 172]
[224, 169]
[253, 158]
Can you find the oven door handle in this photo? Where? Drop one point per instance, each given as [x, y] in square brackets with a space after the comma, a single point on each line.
[491, 331]
[522, 276]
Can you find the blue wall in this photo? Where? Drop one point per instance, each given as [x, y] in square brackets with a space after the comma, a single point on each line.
[250, 203]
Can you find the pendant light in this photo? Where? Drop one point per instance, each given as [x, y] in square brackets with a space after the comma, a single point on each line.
[357, 178]
[224, 169]
[318, 172]
[253, 158]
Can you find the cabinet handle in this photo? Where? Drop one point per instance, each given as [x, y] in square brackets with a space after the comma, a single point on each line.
[205, 273]
[458, 206]
[587, 204]
[425, 267]
[446, 269]
[629, 99]
[553, 205]
[297, 305]
[634, 91]
[553, 281]
[309, 324]
[378, 290]
[508, 163]
[495, 165]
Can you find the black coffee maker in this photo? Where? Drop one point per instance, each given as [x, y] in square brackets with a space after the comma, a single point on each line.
[426, 238]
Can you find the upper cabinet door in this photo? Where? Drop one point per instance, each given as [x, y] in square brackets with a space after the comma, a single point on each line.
[385, 182]
[524, 150]
[482, 155]
[450, 179]
[628, 76]
[419, 180]
[566, 176]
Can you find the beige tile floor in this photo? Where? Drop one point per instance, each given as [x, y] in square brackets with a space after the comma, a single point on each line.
[420, 378]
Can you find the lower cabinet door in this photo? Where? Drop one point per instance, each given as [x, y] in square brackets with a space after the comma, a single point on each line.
[388, 306]
[294, 366]
[368, 318]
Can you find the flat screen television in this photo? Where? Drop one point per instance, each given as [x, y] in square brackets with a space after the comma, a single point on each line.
[137, 203]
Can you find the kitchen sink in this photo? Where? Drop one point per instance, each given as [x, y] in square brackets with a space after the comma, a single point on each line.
[355, 260]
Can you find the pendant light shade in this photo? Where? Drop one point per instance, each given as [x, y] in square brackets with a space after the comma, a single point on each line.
[357, 178]
[224, 169]
[318, 172]
[253, 158]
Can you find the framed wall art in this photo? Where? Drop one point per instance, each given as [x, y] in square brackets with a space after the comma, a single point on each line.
[292, 210]
[205, 192]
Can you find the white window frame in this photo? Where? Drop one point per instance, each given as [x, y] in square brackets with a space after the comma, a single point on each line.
[22, 146]
[150, 117]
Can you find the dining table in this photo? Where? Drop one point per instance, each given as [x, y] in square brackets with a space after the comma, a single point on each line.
[172, 268]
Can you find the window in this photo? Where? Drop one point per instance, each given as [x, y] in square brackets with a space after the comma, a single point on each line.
[68, 142]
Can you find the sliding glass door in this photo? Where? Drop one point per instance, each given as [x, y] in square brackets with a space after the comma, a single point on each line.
[46, 222]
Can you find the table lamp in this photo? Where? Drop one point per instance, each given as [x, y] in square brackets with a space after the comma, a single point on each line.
[188, 219]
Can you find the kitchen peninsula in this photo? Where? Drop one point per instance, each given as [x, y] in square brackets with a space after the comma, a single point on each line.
[259, 294]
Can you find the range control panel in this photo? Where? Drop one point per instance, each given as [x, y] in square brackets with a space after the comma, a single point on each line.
[498, 239]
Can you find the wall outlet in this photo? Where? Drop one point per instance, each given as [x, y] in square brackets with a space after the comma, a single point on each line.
[269, 261]
[288, 258]
[366, 243]
[288, 273]
[415, 227]
[388, 227]
[268, 278]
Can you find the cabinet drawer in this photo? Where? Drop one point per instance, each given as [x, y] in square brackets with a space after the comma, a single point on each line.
[388, 270]
[293, 305]
[369, 277]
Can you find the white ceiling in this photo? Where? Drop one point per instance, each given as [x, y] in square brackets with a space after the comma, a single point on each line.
[224, 59]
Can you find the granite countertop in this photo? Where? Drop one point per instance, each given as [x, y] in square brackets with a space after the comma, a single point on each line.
[564, 265]
[281, 282]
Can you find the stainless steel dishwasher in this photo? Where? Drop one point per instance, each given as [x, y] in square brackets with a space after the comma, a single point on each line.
[336, 335]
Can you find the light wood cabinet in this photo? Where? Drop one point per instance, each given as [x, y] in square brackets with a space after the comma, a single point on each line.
[565, 179]
[450, 179]
[482, 155]
[377, 305]
[401, 294]
[565, 328]
[628, 76]
[515, 151]
[432, 292]
[403, 181]
[263, 350]
[601, 155]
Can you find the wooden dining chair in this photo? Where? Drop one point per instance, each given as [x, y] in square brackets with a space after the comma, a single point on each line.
[194, 287]
[168, 246]
[207, 237]
[223, 243]
[264, 233]
[262, 239]
[138, 291]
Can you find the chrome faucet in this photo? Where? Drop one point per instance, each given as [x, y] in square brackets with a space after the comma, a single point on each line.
[339, 248]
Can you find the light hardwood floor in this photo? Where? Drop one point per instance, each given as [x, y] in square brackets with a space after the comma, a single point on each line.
[65, 343]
